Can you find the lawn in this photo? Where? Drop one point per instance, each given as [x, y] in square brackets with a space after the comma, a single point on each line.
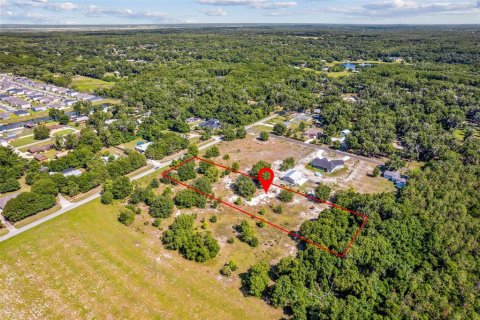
[63, 132]
[132, 144]
[23, 141]
[82, 83]
[85, 264]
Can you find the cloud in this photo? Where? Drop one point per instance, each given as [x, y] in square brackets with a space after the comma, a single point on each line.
[215, 12]
[259, 4]
[399, 8]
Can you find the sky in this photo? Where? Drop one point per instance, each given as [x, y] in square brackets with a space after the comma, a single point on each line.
[240, 11]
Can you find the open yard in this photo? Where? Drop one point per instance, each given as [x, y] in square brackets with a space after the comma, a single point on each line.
[82, 83]
[85, 264]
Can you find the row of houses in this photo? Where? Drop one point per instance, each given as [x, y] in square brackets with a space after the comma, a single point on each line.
[23, 93]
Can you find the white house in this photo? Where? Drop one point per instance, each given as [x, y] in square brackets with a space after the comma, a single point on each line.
[294, 177]
[142, 147]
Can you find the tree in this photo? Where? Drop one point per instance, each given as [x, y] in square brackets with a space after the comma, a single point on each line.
[212, 152]
[322, 192]
[264, 135]
[229, 134]
[212, 174]
[121, 188]
[285, 196]
[258, 166]
[395, 163]
[376, 172]
[126, 217]
[45, 186]
[235, 166]
[247, 234]
[9, 185]
[256, 280]
[107, 197]
[302, 126]
[279, 129]
[161, 207]
[188, 198]
[192, 150]
[41, 132]
[197, 246]
[245, 187]
[187, 171]
[240, 133]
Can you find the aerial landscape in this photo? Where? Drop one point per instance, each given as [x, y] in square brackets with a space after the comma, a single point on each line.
[239, 159]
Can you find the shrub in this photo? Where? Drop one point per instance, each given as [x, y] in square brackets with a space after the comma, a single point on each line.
[154, 183]
[187, 171]
[264, 136]
[161, 207]
[279, 129]
[213, 219]
[245, 187]
[126, 217]
[212, 152]
[376, 172]
[288, 163]
[285, 196]
[107, 197]
[278, 209]
[156, 223]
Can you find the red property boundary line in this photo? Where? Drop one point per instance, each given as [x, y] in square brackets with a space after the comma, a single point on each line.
[333, 205]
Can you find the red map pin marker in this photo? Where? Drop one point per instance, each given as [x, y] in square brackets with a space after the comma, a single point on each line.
[266, 183]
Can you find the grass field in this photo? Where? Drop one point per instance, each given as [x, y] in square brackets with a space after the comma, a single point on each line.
[63, 132]
[85, 264]
[23, 141]
[82, 83]
[3, 231]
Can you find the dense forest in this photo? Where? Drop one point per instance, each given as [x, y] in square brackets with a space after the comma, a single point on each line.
[418, 256]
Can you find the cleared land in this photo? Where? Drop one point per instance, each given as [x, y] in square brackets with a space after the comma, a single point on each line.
[87, 265]
[82, 83]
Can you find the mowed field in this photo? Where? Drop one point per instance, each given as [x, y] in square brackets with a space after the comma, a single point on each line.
[85, 264]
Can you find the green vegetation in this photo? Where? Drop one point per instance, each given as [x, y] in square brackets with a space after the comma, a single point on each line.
[96, 249]
[287, 164]
[198, 246]
[41, 132]
[82, 83]
[245, 187]
[27, 204]
[247, 234]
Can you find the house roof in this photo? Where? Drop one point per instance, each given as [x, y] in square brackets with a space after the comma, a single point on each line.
[296, 176]
[212, 123]
[312, 131]
[393, 174]
[45, 147]
[326, 164]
